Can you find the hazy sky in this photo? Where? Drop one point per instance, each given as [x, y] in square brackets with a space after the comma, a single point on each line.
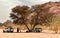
[6, 5]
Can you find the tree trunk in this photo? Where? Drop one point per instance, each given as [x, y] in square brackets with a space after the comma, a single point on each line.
[34, 26]
[27, 26]
[31, 26]
[29, 30]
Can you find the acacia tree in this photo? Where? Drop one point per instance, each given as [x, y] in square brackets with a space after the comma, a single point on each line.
[19, 15]
[35, 15]
[42, 15]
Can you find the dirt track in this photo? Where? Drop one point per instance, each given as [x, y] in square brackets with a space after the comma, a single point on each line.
[28, 35]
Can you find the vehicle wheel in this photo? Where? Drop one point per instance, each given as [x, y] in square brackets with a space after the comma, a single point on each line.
[3, 31]
[27, 31]
[40, 30]
[11, 31]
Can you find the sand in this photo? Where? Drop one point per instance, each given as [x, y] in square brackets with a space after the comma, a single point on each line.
[28, 35]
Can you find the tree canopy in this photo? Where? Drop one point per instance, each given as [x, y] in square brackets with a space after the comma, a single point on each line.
[34, 15]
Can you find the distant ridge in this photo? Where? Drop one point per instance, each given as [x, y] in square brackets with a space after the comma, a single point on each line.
[1, 24]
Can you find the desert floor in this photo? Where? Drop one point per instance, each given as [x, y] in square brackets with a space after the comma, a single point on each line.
[28, 35]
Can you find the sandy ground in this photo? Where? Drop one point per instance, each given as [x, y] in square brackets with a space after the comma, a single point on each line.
[28, 35]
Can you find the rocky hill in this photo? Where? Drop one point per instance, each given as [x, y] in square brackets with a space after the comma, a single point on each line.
[53, 7]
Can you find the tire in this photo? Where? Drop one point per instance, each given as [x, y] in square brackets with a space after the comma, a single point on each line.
[27, 31]
[3, 31]
[11, 31]
[40, 30]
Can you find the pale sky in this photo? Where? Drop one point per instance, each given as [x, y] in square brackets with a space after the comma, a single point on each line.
[6, 5]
